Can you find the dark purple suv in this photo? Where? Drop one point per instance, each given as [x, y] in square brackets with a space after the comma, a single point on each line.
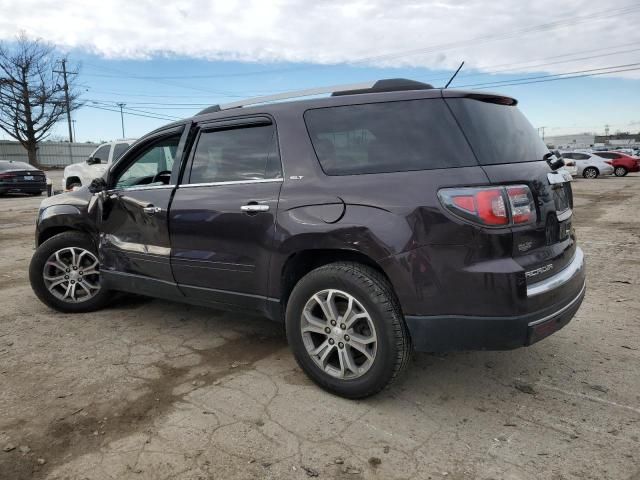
[382, 218]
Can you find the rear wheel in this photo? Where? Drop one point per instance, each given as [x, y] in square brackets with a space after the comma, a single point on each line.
[590, 172]
[65, 274]
[346, 330]
[620, 171]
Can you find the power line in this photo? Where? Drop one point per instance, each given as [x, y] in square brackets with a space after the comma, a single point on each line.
[562, 78]
[499, 82]
[128, 113]
[512, 68]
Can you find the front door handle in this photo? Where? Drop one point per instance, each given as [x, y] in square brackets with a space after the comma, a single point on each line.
[254, 208]
[151, 210]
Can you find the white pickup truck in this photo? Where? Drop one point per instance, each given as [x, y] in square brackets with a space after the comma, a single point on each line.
[80, 174]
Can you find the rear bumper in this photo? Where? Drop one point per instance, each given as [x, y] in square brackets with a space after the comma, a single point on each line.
[464, 332]
[454, 333]
[28, 187]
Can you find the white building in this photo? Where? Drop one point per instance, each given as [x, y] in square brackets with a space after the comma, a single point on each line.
[565, 142]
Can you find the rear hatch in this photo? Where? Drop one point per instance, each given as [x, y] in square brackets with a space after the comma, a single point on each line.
[511, 153]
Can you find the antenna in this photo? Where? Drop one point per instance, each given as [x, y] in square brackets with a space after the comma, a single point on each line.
[454, 75]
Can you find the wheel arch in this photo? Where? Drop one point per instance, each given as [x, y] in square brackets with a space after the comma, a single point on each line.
[299, 263]
[57, 219]
[72, 179]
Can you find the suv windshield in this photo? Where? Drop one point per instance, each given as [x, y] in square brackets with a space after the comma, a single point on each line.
[497, 133]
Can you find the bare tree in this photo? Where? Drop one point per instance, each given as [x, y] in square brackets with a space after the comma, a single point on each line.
[32, 92]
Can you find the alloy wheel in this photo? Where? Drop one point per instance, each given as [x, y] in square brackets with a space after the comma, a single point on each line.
[590, 173]
[620, 172]
[72, 274]
[339, 334]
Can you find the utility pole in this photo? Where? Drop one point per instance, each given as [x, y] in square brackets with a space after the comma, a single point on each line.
[66, 98]
[122, 105]
[541, 128]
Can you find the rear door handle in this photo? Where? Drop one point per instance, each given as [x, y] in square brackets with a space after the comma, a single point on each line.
[254, 207]
[151, 210]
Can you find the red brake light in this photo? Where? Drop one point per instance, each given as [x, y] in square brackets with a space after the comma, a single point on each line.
[7, 175]
[491, 206]
[609, 162]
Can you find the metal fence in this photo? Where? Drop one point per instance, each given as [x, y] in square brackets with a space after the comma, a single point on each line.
[50, 154]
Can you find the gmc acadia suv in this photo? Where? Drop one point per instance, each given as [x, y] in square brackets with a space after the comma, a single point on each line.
[382, 218]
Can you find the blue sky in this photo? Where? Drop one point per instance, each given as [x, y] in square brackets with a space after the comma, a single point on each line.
[221, 51]
[567, 106]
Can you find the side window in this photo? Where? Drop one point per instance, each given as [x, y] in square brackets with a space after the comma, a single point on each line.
[582, 156]
[102, 153]
[119, 149]
[569, 156]
[236, 154]
[387, 137]
[146, 168]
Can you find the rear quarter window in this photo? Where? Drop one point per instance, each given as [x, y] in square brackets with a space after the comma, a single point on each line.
[387, 137]
[498, 133]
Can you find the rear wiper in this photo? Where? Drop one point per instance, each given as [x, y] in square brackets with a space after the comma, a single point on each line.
[554, 164]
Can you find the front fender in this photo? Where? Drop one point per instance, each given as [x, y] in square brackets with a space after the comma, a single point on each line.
[62, 217]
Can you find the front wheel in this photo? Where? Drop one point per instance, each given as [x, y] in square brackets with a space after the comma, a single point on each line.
[65, 274]
[620, 171]
[590, 172]
[346, 329]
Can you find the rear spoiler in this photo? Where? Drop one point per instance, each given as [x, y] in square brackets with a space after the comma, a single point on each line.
[482, 97]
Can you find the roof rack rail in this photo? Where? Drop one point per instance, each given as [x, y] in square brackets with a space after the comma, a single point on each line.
[375, 86]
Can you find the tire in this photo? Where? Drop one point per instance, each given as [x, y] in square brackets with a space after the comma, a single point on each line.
[590, 172]
[55, 291]
[377, 315]
[36, 194]
[620, 171]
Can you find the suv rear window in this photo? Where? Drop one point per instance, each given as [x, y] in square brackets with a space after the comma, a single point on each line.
[387, 137]
[498, 133]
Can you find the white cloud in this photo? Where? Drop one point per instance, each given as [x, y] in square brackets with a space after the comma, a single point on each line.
[336, 31]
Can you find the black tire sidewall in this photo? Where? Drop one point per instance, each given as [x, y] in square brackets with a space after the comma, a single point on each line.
[383, 369]
[36, 268]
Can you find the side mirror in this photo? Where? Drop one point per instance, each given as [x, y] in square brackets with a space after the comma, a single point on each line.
[97, 185]
[93, 160]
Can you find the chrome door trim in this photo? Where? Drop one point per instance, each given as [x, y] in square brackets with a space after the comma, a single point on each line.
[136, 247]
[234, 182]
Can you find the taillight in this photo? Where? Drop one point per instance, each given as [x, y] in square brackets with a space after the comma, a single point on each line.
[523, 210]
[491, 206]
[5, 176]
[609, 162]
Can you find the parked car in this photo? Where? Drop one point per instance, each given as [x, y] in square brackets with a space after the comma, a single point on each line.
[80, 174]
[383, 218]
[21, 177]
[621, 163]
[589, 165]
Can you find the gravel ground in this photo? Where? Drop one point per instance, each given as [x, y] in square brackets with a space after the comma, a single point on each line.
[148, 389]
